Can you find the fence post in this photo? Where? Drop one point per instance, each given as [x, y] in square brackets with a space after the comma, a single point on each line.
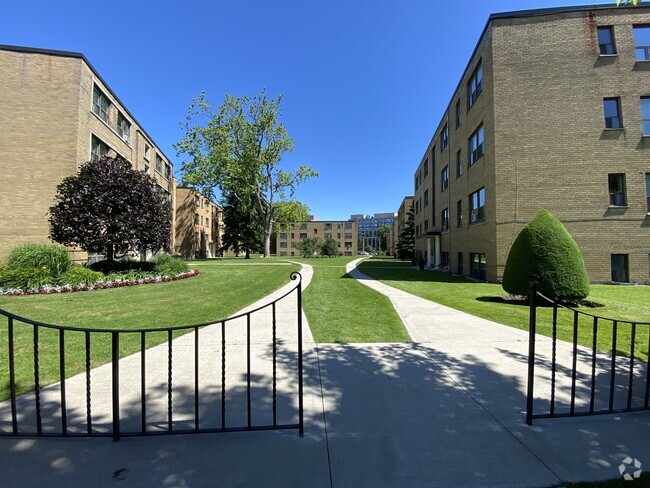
[532, 325]
[301, 421]
[115, 349]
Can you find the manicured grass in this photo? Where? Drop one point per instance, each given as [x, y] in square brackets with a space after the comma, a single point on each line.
[340, 309]
[222, 288]
[621, 302]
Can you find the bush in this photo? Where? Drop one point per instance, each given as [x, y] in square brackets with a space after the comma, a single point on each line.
[123, 266]
[545, 248]
[329, 247]
[80, 275]
[51, 256]
[166, 265]
[25, 277]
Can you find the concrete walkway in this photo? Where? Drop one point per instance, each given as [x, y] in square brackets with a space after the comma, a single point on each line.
[445, 411]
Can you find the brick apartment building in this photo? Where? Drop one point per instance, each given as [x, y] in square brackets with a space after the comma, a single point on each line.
[402, 217]
[56, 113]
[344, 233]
[552, 111]
[199, 225]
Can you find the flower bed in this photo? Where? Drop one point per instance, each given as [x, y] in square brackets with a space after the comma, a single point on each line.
[100, 285]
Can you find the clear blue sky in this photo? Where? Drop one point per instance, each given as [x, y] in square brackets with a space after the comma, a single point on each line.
[365, 82]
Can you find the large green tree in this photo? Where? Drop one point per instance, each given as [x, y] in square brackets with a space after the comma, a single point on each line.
[383, 233]
[242, 230]
[406, 241]
[109, 208]
[238, 150]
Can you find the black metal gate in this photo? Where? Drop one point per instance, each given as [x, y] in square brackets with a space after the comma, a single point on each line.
[599, 377]
[222, 376]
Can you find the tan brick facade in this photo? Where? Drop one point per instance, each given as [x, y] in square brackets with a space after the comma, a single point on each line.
[198, 227]
[545, 145]
[345, 233]
[49, 128]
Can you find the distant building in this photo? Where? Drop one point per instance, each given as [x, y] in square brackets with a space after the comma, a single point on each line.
[344, 233]
[368, 226]
[552, 111]
[56, 113]
[199, 228]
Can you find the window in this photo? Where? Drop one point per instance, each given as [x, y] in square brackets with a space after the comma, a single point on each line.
[159, 163]
[303, 226]
[338, 235]
[426, 226]
[97, 149]
[315, 231]
[645, 115]
[606, 41]
[617, 190]
[123, 127]
[347, 225]
[328, 235]
[476, 145]
[459, 213]
[444, 138]
[196, 238]
[642, 42]
[293, 244]
[207, 222]
[196, 219]
[100, 104]
[328, 226]
[647, 190]
[426, 197]
[475, 86]
[477, 205]
[426, 167]
[168, 171]
[147, 151]
[444, 177]
[283, 245]
[416, 182]
[284, 253]
[460, 263]
[612, 109]
[457, 113]
[620, 268]
[303, 235]
[444, 259]
[347, 235]
[283, 235]
[445, 219]
[417, 207]
[477, 264]
[459, 165]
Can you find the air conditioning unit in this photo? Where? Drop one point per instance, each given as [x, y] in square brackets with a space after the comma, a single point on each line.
[126, 138]
[475, 214]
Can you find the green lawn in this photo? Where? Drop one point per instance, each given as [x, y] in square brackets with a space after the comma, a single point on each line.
[621, 302]
[340, 309]
[222, 288]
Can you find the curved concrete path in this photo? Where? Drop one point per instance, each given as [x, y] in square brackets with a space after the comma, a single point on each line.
[444, 411]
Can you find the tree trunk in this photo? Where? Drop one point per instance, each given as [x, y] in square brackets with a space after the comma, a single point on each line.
[267, 238]
[248, 254]
[109, 257]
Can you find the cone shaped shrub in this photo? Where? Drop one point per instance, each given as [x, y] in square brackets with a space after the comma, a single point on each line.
[545, 248]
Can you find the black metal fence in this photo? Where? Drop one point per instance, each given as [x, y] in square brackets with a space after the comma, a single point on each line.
[607, 374]
[221, 376]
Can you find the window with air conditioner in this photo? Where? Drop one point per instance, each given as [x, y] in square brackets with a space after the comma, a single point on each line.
[477, 205]
[123, 127]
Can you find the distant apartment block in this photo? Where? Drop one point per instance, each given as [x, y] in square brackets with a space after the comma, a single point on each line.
[56, 113]
[199, 227]
[369, 225]
[552, 111]
[344, 233]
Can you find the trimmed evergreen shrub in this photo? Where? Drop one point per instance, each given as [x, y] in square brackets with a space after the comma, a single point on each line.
[34, 255]
[545, 248]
